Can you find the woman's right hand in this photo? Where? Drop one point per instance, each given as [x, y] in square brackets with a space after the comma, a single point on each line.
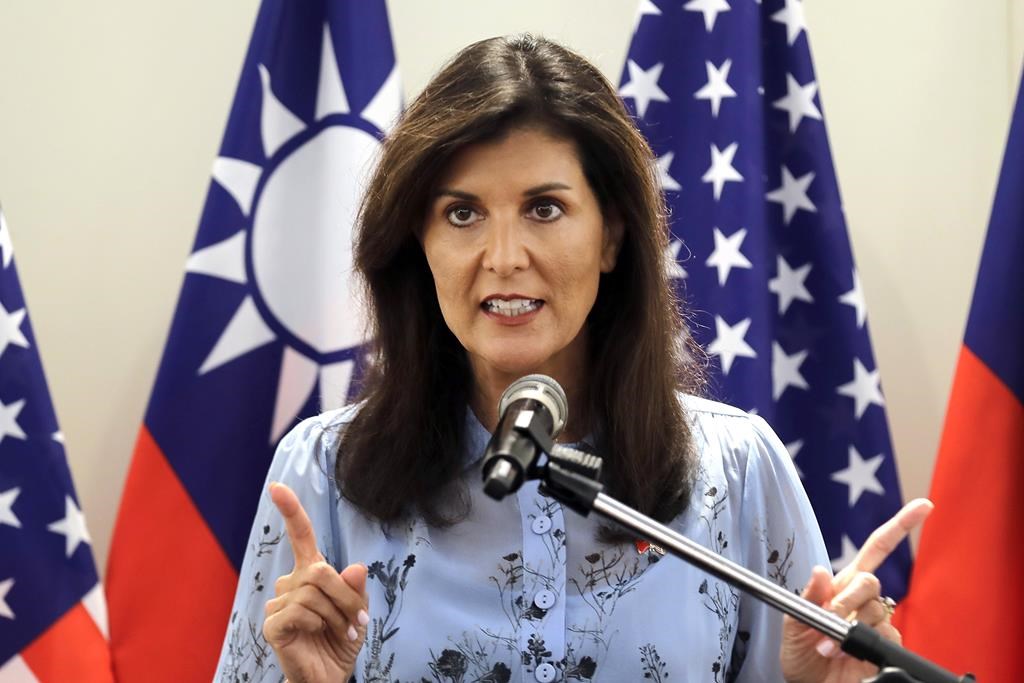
[316, 622]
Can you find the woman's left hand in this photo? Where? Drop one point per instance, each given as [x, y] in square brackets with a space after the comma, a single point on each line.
[853, 593]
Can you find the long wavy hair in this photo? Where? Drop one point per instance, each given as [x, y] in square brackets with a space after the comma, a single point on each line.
[404, 451]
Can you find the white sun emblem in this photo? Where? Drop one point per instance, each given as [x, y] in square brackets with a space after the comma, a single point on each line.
[296, 251]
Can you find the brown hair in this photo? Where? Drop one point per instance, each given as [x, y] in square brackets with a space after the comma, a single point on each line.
[404, 448]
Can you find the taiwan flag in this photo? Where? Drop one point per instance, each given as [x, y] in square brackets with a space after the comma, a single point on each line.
[267, 329]
[966, 594]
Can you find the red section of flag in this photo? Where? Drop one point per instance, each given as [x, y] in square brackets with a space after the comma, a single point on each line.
[156, 521]
[963, 609]
[72, 649]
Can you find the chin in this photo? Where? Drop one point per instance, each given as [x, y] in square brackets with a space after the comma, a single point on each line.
[518, 363]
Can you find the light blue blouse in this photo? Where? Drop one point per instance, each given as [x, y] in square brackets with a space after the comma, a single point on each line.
[523, 591]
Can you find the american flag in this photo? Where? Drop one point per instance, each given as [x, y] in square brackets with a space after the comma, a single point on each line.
[267, 328]
[726, 94]
[53, 618]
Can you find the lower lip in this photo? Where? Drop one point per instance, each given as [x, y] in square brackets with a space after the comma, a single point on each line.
[513, 321]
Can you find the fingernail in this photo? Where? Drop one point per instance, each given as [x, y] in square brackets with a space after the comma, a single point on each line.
[825, 648]
[352, 633]
[363, 617]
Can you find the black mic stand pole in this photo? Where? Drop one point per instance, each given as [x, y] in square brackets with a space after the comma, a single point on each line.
[570, 477]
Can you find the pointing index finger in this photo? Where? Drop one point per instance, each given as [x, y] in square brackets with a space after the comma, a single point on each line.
[298, 525]
[885, 538]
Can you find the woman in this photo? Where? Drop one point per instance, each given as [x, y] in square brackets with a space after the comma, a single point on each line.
[514, 225]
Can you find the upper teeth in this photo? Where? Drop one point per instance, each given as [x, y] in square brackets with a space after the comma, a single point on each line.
[512, 307]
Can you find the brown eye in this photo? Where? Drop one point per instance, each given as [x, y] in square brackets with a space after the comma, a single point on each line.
[546, 211]
[462, 216]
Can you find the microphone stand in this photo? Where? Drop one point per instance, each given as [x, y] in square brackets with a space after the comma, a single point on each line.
[571, 477]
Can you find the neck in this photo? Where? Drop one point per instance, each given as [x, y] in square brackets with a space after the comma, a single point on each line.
[490, 383]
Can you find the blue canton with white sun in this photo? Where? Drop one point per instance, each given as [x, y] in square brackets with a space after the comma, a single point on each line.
[269, 327]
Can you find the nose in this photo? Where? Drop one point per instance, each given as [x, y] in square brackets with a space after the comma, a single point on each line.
[505, 252]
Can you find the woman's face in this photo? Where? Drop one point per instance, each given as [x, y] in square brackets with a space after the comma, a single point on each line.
[516, 243]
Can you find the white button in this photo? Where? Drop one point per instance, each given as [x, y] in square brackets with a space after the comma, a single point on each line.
[544, 599]
[545, 673]
[541, 524]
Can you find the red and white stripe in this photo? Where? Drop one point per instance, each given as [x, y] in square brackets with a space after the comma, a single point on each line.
[74, 648]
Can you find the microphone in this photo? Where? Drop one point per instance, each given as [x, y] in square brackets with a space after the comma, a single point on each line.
[532, 409]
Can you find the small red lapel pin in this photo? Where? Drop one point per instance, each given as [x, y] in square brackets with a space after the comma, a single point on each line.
[643, 546]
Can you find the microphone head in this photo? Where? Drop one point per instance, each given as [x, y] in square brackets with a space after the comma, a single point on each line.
[543, 389]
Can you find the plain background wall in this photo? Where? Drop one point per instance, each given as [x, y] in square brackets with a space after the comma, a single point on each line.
[111, 115]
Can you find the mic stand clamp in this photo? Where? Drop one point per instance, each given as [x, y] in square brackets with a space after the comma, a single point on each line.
[573, 478]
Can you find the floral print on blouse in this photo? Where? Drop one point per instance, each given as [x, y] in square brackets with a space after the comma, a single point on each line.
[523, 591]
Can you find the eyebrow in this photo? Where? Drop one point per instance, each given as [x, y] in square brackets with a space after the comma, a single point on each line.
[531, 192]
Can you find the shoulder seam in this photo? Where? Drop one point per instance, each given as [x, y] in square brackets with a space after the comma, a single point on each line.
[697, 404]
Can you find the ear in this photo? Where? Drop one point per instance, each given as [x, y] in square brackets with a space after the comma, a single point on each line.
[612, 241]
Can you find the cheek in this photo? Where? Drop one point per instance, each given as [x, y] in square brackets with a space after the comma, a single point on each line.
[577, 278]
[451, 281]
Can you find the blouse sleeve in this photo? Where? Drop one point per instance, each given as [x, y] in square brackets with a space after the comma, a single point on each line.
[782, 542]
[302, 461]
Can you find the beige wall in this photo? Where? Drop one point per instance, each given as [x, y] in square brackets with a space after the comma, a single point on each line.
[917, 97]
[111, 114]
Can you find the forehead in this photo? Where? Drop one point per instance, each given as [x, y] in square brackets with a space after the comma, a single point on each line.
[522, 154]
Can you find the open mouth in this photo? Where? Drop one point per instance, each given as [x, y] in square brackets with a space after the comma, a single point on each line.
[511, 308]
